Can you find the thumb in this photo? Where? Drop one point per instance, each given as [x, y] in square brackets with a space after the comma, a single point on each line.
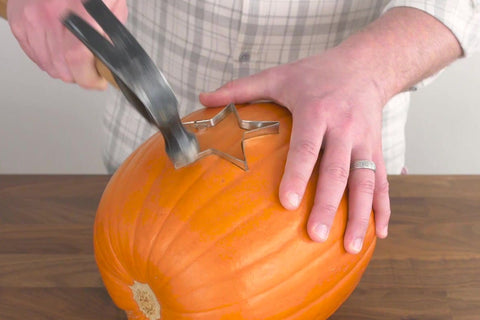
[238, 91]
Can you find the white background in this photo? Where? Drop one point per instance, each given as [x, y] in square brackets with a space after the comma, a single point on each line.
[47, 126]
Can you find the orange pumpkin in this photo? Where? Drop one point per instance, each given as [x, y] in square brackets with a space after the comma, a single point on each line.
[211, 241]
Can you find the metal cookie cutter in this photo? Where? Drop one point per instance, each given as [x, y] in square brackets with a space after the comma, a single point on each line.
[227, 117]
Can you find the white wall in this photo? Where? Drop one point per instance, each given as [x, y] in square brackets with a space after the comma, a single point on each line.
[46, 126]
[443, 127]
[50, 127]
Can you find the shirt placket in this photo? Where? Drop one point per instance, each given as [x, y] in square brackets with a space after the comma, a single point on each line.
[243, 48]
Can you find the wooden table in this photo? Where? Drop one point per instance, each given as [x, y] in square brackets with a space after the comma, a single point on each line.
[428, 268]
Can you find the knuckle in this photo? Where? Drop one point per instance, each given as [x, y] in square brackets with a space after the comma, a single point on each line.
[273, 79]
[230, 85]
[39, 63]
[337, 172]
[318, 108]
[297, 176]
[346, 118]
[383, 187]
[30, 12]
[326, 209]
[316, 111]
[346, 127]
[385, 215]
[66, 78]
[366, 186]
[271, 73]
[361, 220]
[17, 30]
[77, 54]
[52, 72]
[306, 148]
[73, 56]
[230, 88]
[51, 8]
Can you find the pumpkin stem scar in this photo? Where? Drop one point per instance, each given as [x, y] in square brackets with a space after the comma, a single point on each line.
[146, 300]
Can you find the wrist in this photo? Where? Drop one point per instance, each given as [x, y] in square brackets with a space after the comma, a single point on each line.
[399, 49]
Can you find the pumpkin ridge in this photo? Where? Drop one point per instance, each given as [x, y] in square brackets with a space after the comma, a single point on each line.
[138, 219]
[235, 227]
[130, 162]
[185, 224]
[137, 156]
[280, 281]
[352, 273]
[352, 270]
[114, 256]
[231, 184]
[294, 272]
[111, 188]
[239, 271]
[171, 211]
[112, 268]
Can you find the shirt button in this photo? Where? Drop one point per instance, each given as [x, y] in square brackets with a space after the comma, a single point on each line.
[244, 57]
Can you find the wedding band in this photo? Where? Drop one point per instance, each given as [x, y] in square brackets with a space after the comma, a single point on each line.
[363, 164]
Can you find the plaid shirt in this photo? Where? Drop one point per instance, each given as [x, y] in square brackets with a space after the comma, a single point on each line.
[200, 45]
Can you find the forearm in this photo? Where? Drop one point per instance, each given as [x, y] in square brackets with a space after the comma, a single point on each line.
[401, 48]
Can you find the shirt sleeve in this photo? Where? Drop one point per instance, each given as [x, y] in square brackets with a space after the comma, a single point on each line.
[462, 17]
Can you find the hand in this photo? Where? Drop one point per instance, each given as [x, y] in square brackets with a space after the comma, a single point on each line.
[38, 28]
[335, 103]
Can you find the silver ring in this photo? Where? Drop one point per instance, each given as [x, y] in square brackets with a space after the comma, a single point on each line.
[363, 164]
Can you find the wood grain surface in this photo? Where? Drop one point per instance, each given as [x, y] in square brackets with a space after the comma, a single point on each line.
[428, 268]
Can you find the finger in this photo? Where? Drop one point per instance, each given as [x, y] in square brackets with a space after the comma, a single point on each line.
[21, 35]
[305, 143]
[81, 64]
[57, 56]
[54, 37]
[243, 90]
[79, 59]
[332, 181]
[361, 188]
[17, 20]
[381, 200]
[37, 39]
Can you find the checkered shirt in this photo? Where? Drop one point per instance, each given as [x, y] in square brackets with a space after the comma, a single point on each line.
[200, 45]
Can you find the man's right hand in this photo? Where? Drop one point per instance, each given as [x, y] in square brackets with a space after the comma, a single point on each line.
[37, 25]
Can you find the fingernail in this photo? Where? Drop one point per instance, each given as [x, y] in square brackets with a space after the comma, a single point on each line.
[321, 231]
[385, 232]
[356, 245]
[293, 199]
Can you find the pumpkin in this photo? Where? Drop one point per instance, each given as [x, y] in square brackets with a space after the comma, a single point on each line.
[212, 241]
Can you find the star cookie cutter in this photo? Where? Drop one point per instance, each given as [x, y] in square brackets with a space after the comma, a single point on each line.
[249, 129]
